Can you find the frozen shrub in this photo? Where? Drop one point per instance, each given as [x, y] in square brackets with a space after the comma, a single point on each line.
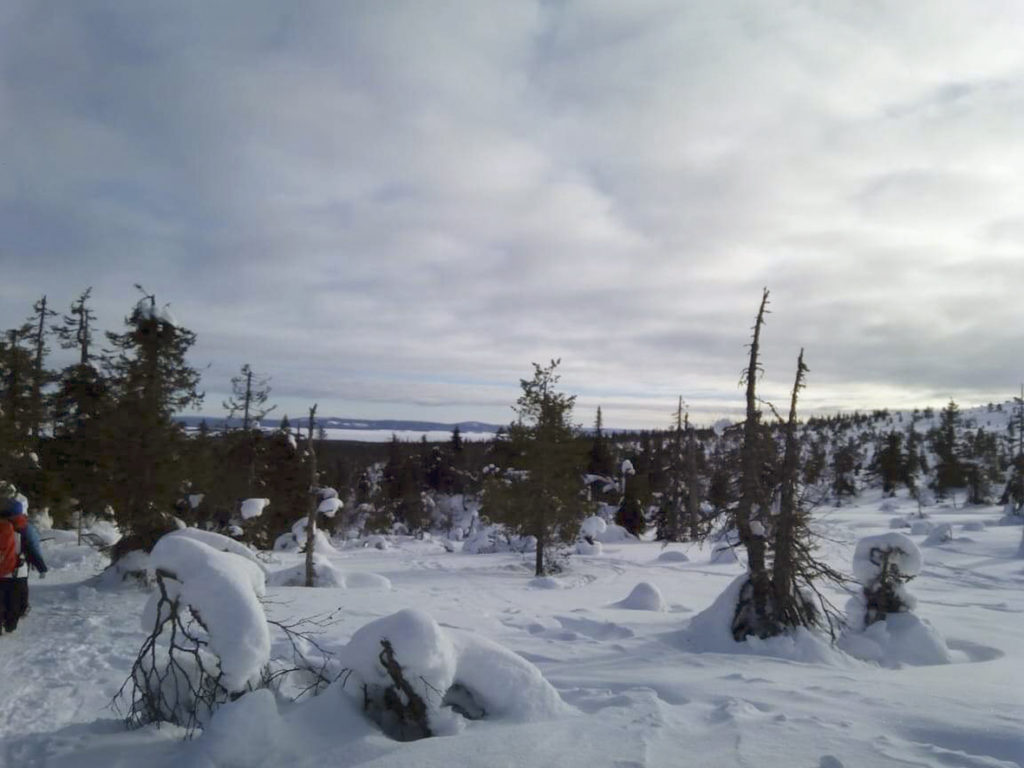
[883, 564]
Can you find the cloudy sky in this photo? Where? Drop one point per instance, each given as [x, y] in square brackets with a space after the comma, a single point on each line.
[393, 208]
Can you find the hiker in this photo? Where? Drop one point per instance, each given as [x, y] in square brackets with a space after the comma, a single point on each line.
[19, 549]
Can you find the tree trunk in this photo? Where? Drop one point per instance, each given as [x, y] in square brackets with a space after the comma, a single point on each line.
[750, 492]
[538, 568]
[784, 587]
[313, 502]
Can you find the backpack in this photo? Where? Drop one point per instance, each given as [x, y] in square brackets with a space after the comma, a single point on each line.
[10, 546]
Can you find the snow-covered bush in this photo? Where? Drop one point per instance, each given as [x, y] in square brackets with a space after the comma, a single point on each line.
[882, 564]
[880, 625]
[417, 679]
[208, 640]
[295, 539]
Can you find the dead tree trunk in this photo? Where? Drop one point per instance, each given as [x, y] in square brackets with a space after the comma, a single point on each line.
[692, 483]
[789, 608]
[752, 615]
[313, 501]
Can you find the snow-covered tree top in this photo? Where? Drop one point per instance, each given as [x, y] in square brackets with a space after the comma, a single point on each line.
[897, 549]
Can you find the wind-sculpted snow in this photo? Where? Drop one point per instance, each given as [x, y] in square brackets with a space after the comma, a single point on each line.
[223, 590]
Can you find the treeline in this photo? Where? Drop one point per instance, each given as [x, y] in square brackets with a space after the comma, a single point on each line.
[98, 437]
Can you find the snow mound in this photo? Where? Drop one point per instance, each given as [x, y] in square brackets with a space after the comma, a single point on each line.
[710, 631]
[724, 554]
[644, 597]
[921, 527]
[130, 568]
[940, 534]
[900, 638]
[220, 542]
[974, 525]
[224, 590]
[324, 575]
[366, 580]
[589, 548]
[593, 526]
[544, 582]
[253, 508]
[456, 674]
[612, 534]
[902, 553]
[672, 556]
[295, 540]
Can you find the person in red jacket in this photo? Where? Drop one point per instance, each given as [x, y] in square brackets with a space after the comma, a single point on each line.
[19, 549]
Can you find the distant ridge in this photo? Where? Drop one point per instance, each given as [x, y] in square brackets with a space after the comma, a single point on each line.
[369, 425]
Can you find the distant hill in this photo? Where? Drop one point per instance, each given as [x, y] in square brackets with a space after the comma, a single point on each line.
[368, 425]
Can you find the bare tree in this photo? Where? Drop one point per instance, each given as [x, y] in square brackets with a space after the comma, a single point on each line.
[314, 500]
[756, 594]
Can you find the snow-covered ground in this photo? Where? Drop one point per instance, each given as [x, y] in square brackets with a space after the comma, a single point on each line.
[636, 687]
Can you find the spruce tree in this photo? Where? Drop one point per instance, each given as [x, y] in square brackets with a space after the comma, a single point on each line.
[81, 405]
[150, 381]
[542, 495]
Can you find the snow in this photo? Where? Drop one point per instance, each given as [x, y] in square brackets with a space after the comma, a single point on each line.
[253, 508]
[903, 553]
[644, 597]
[901, 638]
[673, 556]
[433, 659]
[593, 526]
[329, 507]
[224, 590]
[219, 542]
[565, 676]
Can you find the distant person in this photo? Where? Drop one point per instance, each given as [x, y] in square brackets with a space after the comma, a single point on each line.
[19, 549]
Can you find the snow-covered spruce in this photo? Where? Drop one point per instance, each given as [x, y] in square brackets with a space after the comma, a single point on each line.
[417, 679]
[882, 564]
[208, 636]
[880, 625]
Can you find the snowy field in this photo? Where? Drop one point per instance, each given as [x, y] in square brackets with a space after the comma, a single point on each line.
[634, 687]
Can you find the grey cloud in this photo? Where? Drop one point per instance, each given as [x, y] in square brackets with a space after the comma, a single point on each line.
[399, 206]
